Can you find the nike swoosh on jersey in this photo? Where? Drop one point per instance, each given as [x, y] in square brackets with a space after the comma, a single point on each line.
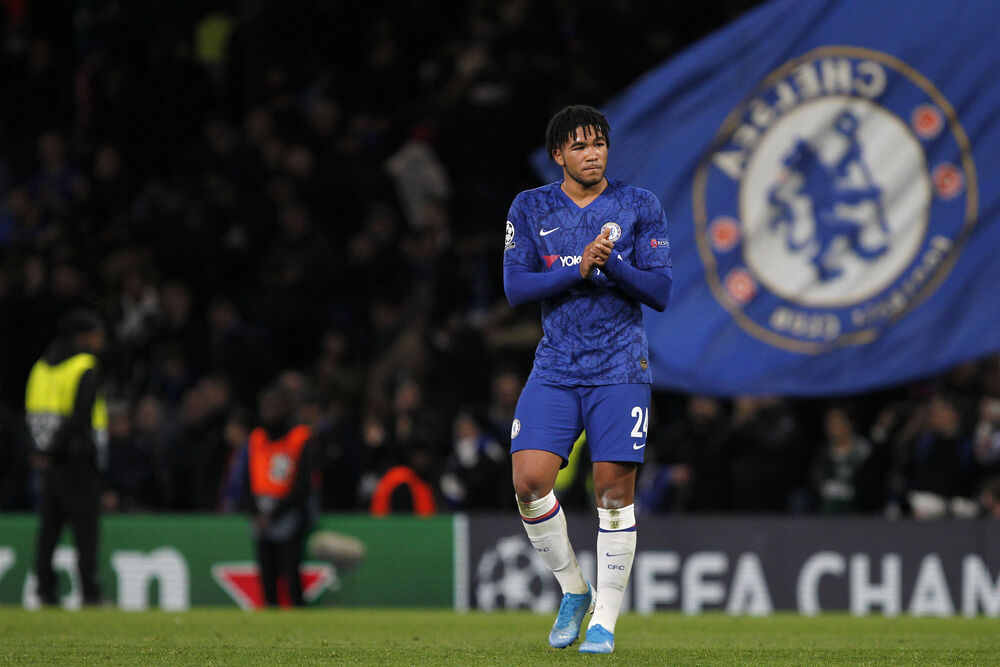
[637, 447]
[546, 232]
[613, 555]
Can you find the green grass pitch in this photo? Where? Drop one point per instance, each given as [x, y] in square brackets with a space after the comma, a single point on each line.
[424, 637]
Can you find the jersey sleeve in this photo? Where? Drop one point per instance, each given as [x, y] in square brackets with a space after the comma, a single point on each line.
[652, 244]
[519, 243]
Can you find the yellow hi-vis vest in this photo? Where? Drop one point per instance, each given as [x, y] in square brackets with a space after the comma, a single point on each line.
[51, 394]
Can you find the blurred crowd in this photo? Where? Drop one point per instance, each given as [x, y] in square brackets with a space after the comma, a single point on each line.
[930, 449]
[307, 195]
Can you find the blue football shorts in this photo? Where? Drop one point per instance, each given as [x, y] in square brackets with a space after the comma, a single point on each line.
[550, 417]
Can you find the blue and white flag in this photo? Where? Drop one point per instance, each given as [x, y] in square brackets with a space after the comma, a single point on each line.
[831, 174]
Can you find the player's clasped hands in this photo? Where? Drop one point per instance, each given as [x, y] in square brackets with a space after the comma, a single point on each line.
[596, 253]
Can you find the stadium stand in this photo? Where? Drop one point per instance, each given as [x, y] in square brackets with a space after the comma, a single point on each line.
[268, 191]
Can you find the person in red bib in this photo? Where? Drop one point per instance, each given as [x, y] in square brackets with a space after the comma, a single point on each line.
[280, 462]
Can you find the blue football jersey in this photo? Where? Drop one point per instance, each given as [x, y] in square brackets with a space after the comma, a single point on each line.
[593, 332]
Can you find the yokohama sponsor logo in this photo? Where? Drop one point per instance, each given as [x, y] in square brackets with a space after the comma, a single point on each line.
[572, 260]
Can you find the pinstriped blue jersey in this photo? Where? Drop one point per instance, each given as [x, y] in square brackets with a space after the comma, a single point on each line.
[593, 332]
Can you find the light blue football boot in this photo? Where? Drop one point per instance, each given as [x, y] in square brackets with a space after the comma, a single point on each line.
[572, 609]
[598, 640]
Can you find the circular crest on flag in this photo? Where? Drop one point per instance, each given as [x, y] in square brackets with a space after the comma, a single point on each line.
[615, 231]
[834, 199]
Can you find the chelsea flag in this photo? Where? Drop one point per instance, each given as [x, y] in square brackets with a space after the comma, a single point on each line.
[831, 174]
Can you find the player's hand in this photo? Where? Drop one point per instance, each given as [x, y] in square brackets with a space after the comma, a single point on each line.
[596, 253]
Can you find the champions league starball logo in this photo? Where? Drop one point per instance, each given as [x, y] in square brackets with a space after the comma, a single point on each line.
[834, 200]
[510, 576]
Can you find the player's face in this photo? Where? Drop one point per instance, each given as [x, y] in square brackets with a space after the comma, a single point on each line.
[583, 157]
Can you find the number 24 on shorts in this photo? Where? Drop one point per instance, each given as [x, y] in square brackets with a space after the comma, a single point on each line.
[641, 423]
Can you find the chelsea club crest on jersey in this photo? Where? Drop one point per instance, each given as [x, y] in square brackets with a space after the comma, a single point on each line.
[834, 199]
[614, 231]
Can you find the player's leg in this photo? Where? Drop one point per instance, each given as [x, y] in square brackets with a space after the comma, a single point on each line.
[542, 516]
[617, 420]
[614, 485]
[545, 523]
[546, 423]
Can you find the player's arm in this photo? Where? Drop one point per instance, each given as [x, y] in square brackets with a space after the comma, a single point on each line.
[524, 280]
[649, 286]
[651, 280]
[524, 286]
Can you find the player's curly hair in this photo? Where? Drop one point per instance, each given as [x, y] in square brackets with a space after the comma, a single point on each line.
[564, 123]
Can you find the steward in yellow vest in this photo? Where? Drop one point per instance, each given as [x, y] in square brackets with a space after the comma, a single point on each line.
[67, 417]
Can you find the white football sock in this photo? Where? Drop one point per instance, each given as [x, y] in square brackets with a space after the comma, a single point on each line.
[615, 551]
[545, 524]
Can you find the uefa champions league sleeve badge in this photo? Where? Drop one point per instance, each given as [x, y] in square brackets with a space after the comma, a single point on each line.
[833, 200]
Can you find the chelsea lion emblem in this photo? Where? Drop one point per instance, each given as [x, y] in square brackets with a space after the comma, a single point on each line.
[614, 231]
[834, 199]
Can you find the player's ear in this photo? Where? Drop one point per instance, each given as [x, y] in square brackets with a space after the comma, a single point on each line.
[557, 157]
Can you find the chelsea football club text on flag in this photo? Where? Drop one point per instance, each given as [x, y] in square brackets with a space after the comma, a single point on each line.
[830, 174]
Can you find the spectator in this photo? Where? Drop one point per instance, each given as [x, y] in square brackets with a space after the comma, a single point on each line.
[838, 471]
[14, 471]
[419, 175]
[989, 498]
[236, 350]
[57, 185]
[130, 477]
[236, 435]
[764, 456]
[505, 388]
[338, 374]
[693, 454]
[151, 438]
[987, 433]
[940, 463]
[198, 450]
[476, 472]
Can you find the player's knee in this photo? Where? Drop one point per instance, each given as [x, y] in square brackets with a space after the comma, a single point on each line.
[611, 500]
[612, 496]
[529, 489]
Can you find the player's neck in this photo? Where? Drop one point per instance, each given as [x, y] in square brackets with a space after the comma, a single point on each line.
[581, 194]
